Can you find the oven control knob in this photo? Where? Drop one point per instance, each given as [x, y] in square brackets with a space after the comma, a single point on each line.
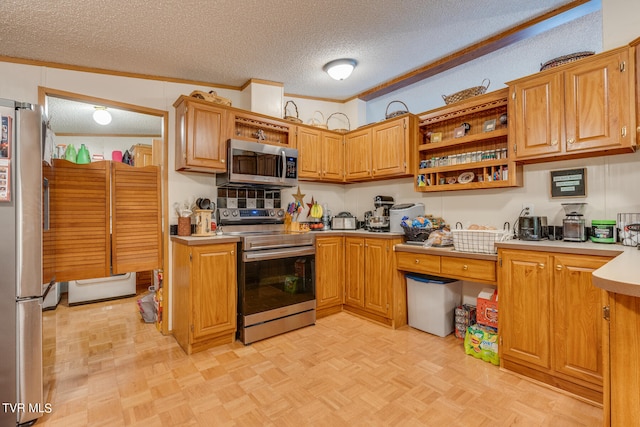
[280, 213]
[272, 212]
[225, 213]
[234, 212]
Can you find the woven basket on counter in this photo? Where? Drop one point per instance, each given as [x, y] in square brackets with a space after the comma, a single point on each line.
[466, 93]
[295, 118]
[341, 130]
[318, 123]
[397, 113]
[565, 59]
[211, 96]
[479, 241]
[416, 234]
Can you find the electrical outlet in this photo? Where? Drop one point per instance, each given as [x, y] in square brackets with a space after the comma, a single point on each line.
[527, 209]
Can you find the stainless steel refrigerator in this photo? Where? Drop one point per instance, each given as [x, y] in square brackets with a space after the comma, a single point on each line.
[23, 220]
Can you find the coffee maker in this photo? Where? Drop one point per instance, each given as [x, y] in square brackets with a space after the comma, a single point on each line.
[378, 219]
[573, 225]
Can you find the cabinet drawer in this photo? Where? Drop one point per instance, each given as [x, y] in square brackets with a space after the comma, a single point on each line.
[418, 263]
[469, 268]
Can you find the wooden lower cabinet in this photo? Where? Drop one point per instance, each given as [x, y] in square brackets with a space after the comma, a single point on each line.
[374, 288]
[329, 275]
[551, 323]
[622, 403]
[205, 295]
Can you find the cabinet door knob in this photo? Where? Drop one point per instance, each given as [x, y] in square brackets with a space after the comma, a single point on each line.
[417, 261]
[541, 266]
[571, 140]
[554, 142]
[465, 267]
[558, 267]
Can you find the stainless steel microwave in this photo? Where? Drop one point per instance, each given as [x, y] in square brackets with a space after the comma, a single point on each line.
[257, 163]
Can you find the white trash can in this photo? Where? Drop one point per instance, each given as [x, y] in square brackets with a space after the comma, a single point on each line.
[431, 303]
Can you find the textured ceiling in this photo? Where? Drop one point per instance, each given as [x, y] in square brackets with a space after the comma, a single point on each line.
[226, 43]
[229, 42]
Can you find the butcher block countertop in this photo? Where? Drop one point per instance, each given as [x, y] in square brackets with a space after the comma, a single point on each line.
[621, 275]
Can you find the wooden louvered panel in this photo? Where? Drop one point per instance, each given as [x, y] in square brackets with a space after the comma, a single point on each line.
[136, 218]
[80, 220]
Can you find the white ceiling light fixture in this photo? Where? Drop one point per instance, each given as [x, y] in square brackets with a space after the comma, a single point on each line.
[101, 116]
[340, 69]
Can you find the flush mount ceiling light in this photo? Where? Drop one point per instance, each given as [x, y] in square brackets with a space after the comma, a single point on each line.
[101, 116]
[340, 69]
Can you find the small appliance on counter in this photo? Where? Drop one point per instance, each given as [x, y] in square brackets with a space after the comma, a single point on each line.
[379, 218]
[343, 221]
[532, 227]
[573, 225]
[397, 212]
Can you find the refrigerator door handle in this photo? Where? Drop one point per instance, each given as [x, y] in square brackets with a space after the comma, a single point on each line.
[45, 187]
[49, 286]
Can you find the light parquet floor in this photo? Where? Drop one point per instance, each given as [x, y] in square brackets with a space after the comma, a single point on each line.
[108, 368]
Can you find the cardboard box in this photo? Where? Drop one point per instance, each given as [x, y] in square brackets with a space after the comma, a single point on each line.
[487, 307]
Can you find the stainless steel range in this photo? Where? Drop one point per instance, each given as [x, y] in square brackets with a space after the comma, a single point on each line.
[276, 273]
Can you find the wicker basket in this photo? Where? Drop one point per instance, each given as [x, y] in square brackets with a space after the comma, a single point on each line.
[212, 96]
[341, 130]
[318, 123]
[295, 118]
[479, 241]
[466, 93]
[565, 59]
[393, 114]
[416, 234]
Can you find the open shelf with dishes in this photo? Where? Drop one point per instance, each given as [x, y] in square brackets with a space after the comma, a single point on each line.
[465, 146]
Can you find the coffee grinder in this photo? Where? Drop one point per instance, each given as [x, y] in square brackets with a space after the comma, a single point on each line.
[574, 225]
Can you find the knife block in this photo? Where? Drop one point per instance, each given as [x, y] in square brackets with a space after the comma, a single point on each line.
[203, 222]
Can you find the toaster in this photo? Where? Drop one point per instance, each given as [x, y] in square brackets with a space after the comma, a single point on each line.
[343, 221]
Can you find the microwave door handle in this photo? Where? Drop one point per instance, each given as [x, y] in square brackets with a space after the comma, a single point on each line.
[283, 156]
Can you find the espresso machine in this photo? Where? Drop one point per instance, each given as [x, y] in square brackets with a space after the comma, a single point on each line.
[574, 225]
[378, 219]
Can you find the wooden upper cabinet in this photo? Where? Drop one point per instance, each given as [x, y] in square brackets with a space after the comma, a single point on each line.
[537, 116]
[310, 152]
[202, 131]
[577, 110]
[80, 220]
[136, 218]
[357, 155]
[597, 103]
[390, 150]
[332, 157]
[382, 150]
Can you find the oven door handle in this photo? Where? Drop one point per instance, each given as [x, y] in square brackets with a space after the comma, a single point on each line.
[277, 254]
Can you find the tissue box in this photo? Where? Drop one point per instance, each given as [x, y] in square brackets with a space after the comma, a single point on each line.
[487, 307]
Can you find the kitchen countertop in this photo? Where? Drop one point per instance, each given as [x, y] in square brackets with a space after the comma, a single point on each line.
[228, 238]
[446, 251]
[205, 240]
[359, 232]
[621, 275]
